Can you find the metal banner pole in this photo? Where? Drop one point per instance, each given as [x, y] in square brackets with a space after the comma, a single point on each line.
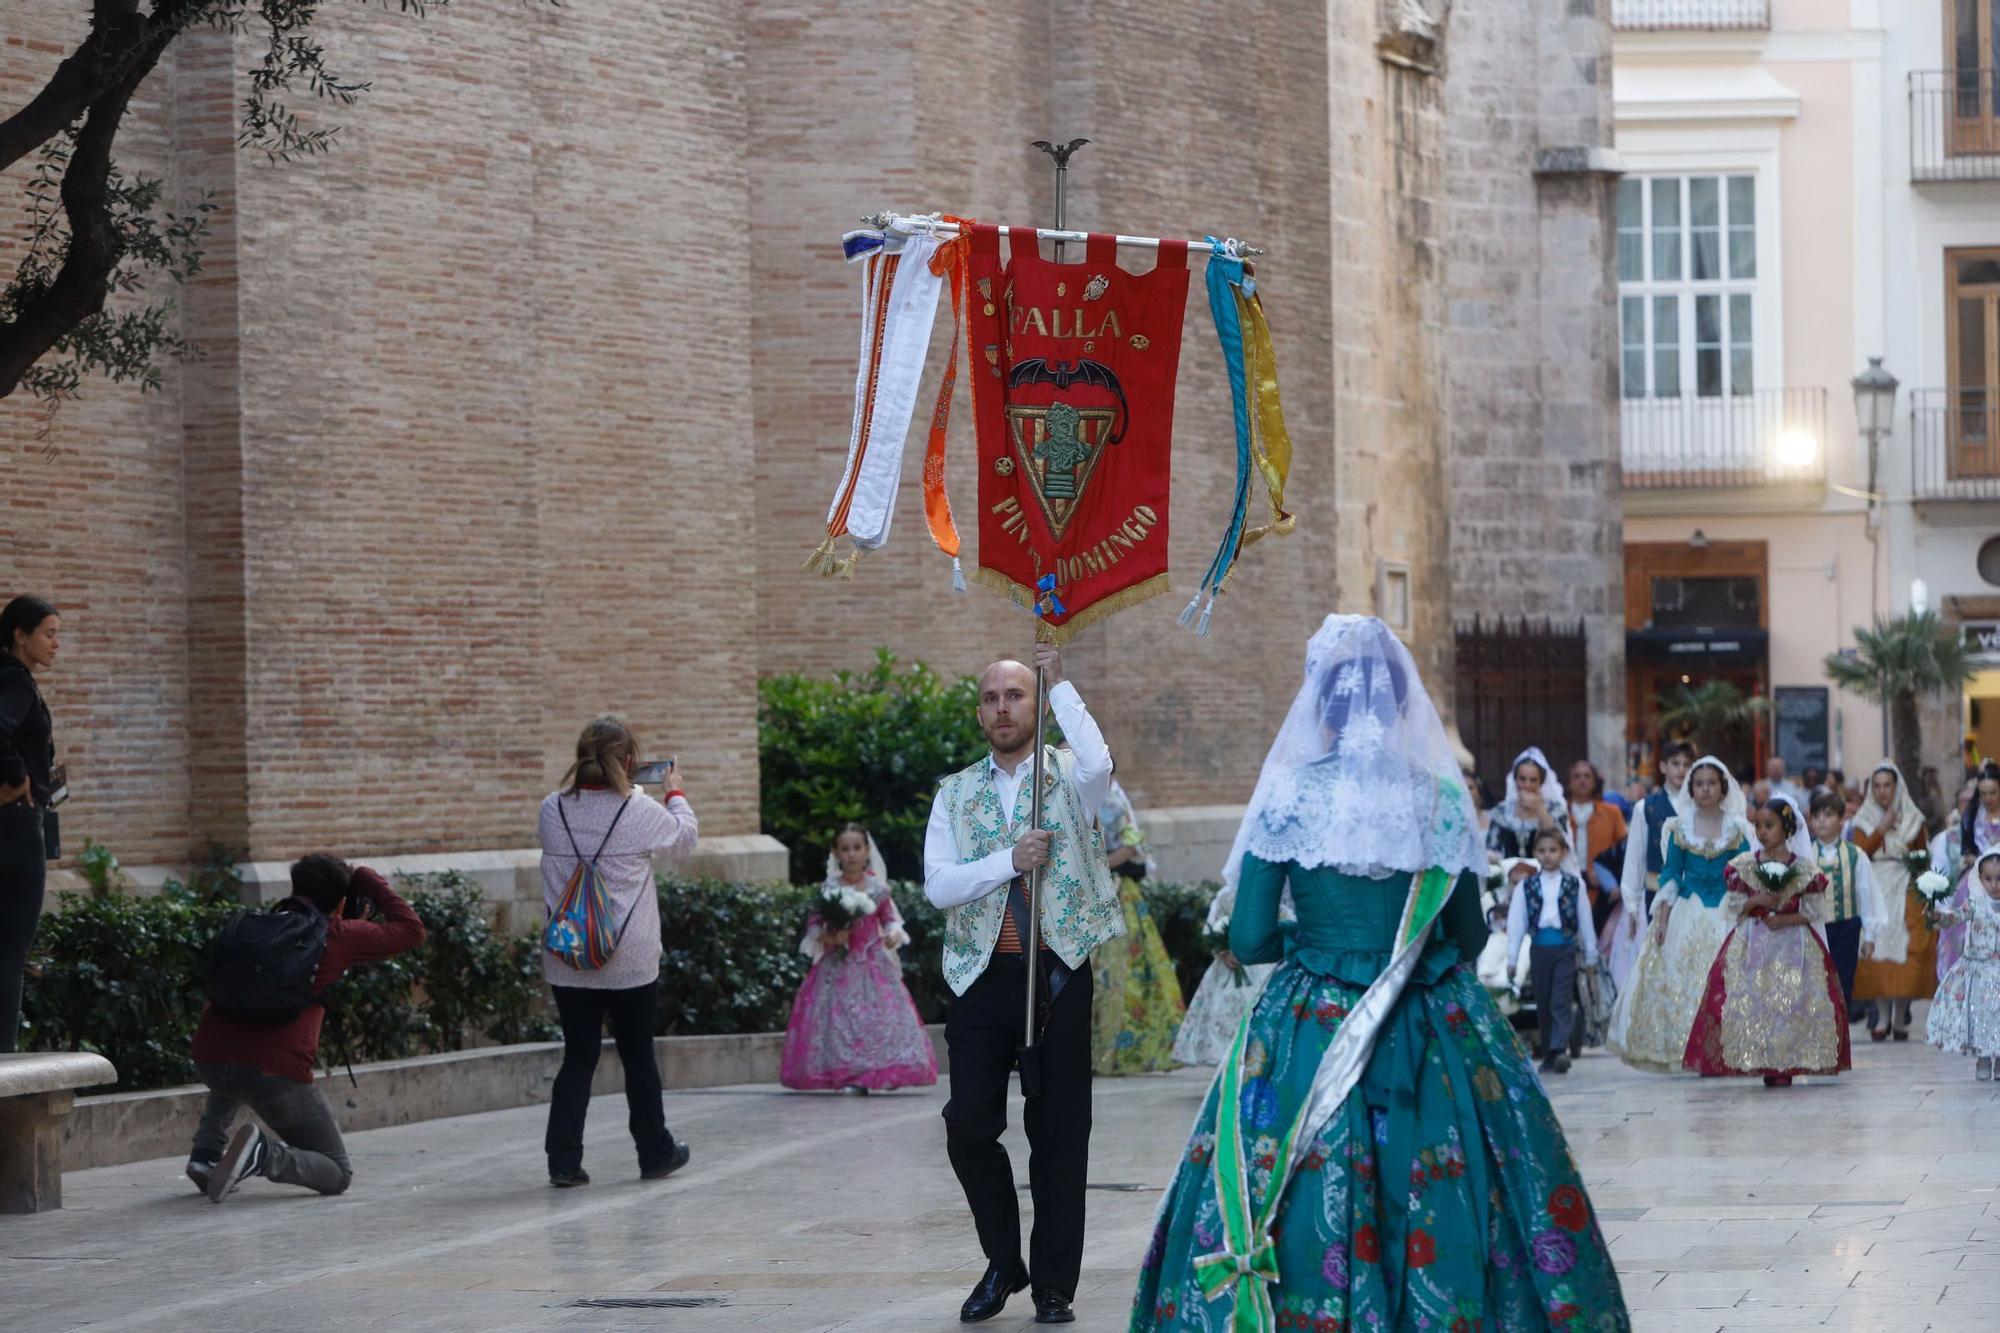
[1032, 944]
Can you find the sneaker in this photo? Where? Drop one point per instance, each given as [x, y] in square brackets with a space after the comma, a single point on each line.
[671, 1165]
[1560, 1065]
[1983, 1071]
[244, 1158]
[198, 1171]
[564, 1180]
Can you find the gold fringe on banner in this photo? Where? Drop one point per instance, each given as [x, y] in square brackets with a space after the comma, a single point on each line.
[1024, 597]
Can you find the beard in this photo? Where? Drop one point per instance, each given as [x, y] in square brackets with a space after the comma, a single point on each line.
[1006, 737]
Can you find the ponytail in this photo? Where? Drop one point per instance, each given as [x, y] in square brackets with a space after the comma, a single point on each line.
[603, 755]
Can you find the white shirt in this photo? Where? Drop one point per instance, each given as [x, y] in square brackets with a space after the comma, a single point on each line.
[1551, 918]
[952, 881]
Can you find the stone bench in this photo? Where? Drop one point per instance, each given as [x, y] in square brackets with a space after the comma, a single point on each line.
[37, 1089]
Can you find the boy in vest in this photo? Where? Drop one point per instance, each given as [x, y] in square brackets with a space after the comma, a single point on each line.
[978, 852]
[1853, 907]
[1545, 909]
[268, 1066]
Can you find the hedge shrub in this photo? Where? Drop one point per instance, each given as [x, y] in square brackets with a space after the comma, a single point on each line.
[127, 978]
[866, 746]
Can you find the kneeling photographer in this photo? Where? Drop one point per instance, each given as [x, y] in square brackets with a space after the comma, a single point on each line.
[259, 1036]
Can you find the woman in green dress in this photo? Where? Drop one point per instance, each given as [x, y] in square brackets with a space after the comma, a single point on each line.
[1376, 1153]
[1135, 1005]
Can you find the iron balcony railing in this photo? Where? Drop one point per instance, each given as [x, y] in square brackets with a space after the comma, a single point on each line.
[1772, 437]
[1661, 15]
[1955, 125]
[1955, 444]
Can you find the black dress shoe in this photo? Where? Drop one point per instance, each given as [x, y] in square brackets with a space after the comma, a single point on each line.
[990, 1296]
[674, 1162]
[1052, 1307]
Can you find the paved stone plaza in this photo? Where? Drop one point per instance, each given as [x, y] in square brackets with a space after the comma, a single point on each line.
[1865, 1203]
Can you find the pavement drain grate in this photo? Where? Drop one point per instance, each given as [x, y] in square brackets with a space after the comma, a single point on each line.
[645, 1302]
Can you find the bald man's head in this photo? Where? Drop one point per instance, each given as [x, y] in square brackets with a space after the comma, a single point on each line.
[1007, 707]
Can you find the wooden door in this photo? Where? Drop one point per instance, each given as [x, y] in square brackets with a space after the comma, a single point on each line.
[1972, 353]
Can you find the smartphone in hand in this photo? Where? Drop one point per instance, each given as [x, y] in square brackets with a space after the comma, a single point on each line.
[653, 771]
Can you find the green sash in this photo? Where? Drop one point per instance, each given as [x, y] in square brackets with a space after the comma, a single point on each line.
[1248, 1260]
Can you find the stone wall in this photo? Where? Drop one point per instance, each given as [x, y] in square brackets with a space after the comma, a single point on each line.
[1536, 507]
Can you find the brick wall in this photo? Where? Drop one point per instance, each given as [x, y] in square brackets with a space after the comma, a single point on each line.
[503, 424]
[92, 518]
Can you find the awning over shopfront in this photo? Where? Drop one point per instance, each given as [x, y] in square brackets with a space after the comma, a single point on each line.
[1697, 644]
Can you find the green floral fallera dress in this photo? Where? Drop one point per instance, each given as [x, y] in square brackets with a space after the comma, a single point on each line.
[1136, 1005]
[1441, 1195]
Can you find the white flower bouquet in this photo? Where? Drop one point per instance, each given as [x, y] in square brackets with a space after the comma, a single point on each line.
[1772, 875]
[839, 906]
[1932, 887]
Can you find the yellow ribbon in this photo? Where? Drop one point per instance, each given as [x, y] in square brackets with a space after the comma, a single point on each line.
[1270, 442]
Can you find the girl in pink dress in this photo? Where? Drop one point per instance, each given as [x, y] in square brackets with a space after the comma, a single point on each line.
[853, 1023]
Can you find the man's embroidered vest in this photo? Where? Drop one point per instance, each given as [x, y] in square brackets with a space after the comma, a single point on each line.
[1565, 903]
[1842, 899]
[1079, 900]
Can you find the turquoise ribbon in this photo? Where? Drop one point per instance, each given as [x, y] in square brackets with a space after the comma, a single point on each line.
[1224, 274]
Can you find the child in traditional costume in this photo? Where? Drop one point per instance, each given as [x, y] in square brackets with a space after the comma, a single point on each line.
[1854, 911]
[1965, 1017]
[1979, 833]
[1135, 1005]
[1375, 1152]
[1890, 829]
[1650, 1025]
[1552, 912]
[1504, 967]
[1772, 1004]
[853, 1023]
[1227, 991]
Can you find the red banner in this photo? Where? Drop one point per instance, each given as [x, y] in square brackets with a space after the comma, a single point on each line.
[1073, 401]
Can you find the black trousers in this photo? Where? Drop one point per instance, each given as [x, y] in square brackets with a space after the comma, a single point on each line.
[1552, 973]
[1843, 941]
[24, 872]
[982, 1029]
[583, 1012]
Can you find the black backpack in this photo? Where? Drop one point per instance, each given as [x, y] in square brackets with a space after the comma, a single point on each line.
[262, 965]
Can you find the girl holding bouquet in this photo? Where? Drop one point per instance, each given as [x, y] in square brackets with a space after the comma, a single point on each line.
[1772, 1004]
[854, 1024]
[1979, 833]
[1965, 1016]
[1890, 829]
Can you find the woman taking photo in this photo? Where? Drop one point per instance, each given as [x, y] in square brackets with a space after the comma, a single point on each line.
[30, 788]
[1375, 1152]
[600, 826]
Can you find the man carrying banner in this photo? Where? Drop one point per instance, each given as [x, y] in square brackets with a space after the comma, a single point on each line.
[978, 852]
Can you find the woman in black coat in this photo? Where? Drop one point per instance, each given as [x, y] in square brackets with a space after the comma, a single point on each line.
[31, 785]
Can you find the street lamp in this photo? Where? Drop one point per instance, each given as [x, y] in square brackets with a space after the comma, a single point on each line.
[1874, 410]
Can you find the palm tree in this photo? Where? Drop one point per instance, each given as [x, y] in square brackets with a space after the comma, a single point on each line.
[1710, 713]
[1896, 662]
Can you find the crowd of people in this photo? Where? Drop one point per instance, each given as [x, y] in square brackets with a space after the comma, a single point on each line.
[1373, 931]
